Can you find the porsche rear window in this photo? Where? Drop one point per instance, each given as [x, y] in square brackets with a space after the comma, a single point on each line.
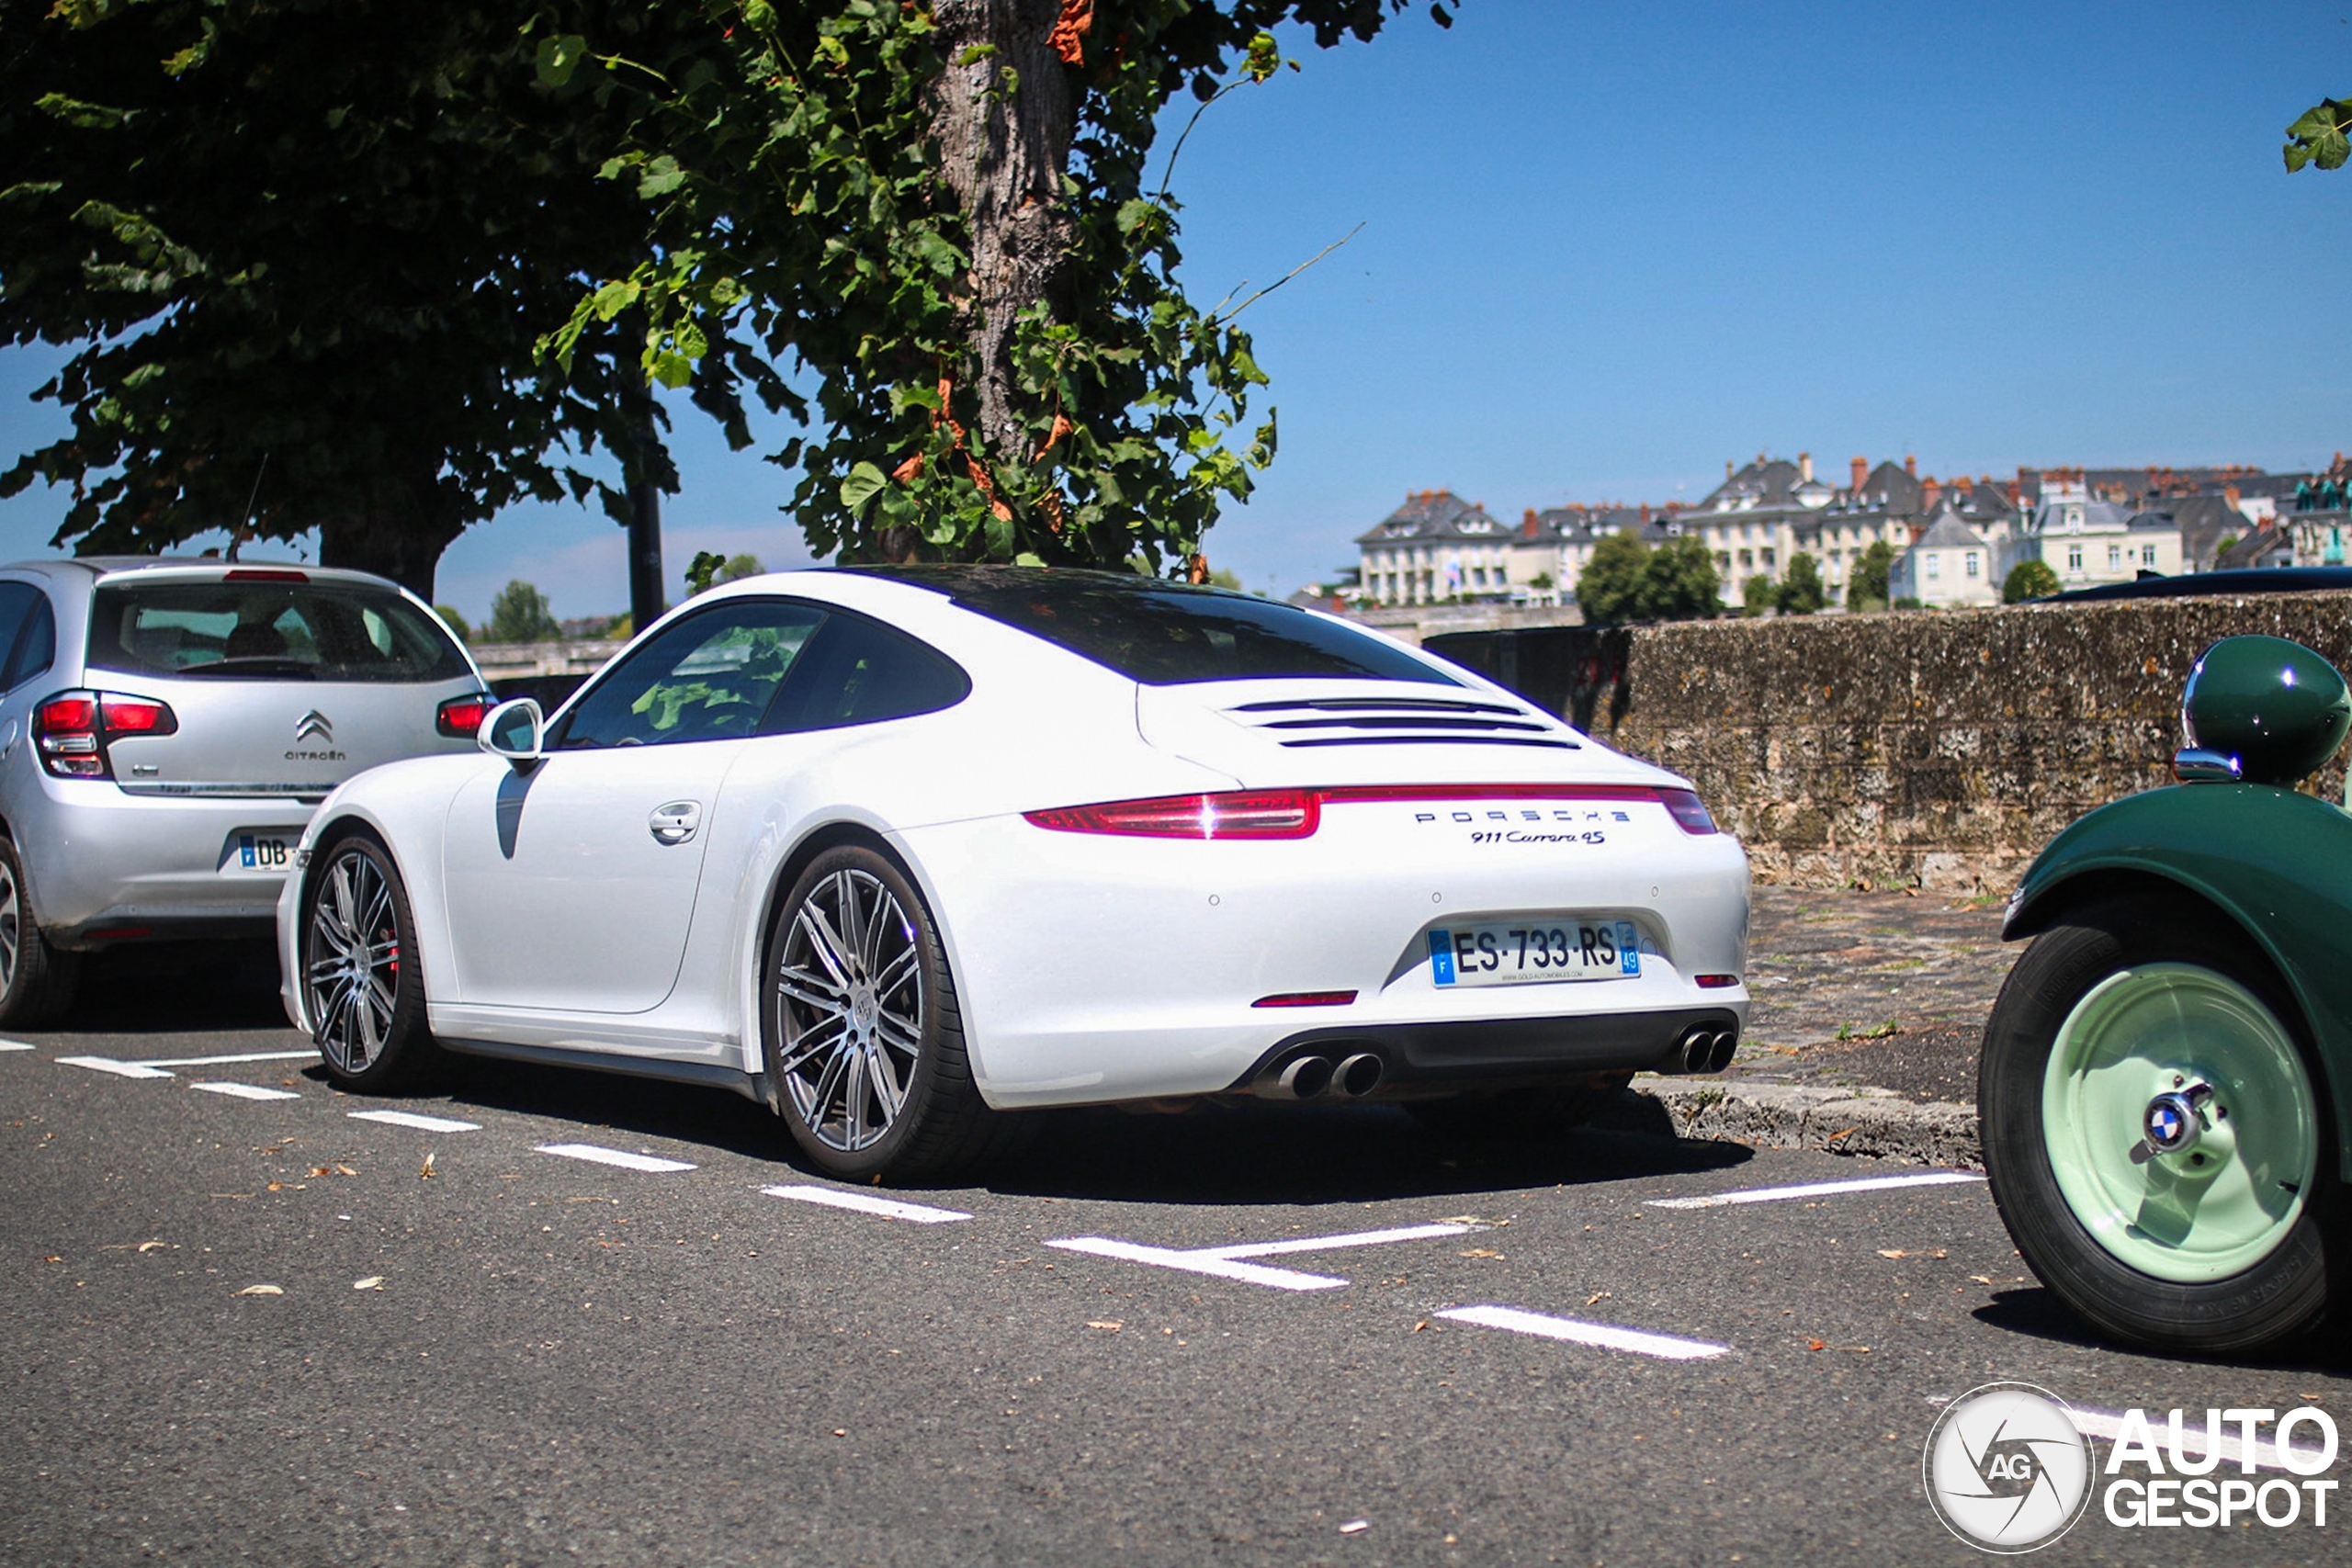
[1167, 633]
[271, 629]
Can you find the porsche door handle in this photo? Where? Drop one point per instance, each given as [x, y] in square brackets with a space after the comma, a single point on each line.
[674, 823]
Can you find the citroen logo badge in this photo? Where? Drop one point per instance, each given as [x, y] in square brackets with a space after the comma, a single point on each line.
[313, 723]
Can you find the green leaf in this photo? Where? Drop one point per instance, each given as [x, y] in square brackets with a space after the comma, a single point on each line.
[977, 53]
[863, 483]
[81, 114]
[614, 298]
[558, 57]
[661, 177]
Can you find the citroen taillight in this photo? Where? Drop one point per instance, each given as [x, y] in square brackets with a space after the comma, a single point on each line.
[460, 717]
[72, 730]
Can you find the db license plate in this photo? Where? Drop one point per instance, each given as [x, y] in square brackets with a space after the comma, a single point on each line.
[1513, 953]
[263, 854]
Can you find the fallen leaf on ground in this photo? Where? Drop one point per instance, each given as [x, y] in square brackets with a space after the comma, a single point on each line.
[344, 1170]
[52, 1258]
[1596, 1298]
[1482, 1252]
[840, 1431]
[1355, 1526]
[373, 1282]
[1417, 1327]
[1899, 1252]
[1846, 1134]
[152, 1246]
[1113, 1324]
[263, 1290]
[1473, 1220]
[1816, 1345]
[425, 1171]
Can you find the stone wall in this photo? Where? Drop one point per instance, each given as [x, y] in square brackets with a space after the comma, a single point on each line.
[1942, 749]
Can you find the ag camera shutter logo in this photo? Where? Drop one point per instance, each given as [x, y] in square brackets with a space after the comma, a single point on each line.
[2006, 1467]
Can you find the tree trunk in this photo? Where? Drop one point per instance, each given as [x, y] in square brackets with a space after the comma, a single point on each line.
[1005, 152]
[399, 533]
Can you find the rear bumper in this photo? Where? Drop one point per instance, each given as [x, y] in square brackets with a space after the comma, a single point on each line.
[1504, 1052]
[98, 860]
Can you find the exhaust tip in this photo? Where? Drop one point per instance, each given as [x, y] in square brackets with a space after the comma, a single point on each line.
[1697, 1047]
[1359, 1074]
[1306, 1077]
[1719, 1055]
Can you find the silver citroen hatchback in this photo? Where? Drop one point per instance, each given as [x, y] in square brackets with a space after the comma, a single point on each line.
[166, 729]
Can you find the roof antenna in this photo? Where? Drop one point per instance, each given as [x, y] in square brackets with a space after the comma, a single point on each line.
[237, 535]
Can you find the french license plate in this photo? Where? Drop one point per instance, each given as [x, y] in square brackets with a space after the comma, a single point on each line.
[1514, 952]
[266, 853]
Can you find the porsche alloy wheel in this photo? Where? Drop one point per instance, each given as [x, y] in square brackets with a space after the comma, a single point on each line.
[366, 1006]
[865, 1042]
[2154, 1134]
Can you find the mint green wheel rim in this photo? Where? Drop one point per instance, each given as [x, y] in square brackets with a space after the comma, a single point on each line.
[2227, 1202]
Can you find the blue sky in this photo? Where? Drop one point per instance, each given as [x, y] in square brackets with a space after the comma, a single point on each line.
[1605, 247]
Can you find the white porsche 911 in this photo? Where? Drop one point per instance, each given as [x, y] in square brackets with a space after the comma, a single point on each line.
[902, 851]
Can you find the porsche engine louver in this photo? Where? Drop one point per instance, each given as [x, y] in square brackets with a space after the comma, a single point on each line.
[1399, 721]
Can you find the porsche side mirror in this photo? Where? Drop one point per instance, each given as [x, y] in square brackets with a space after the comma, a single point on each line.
[515, 731]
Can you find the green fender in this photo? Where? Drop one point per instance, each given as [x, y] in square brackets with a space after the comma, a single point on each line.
[2278, 863]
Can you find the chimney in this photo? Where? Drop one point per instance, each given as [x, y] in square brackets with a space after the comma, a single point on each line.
[1761, 459]
[1805, 467]
[1728, 470]
[1911, 464]
[1929, 493]
[2229, 494]
[1645, 511]
[2016, 493]
[1862, 474]
[1531, 526]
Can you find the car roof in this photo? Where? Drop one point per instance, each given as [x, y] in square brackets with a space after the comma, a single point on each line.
[2241, 579]
[106, 567]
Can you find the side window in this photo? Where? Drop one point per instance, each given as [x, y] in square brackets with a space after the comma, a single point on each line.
[861, 672]
[15, 601]
[35, 642]
[710, 677]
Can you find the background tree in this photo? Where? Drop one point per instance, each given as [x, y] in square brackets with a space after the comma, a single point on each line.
[304, 254]
[1757, 595]
[1609, 589]
[1624, 579]
[710, 569]
[2028, 579]
[455, 620]
[1866, 586]
[937, 214]
[518, 613]
[1800, 591]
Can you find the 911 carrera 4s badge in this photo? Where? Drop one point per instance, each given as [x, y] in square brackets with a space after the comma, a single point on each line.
[1524, 951]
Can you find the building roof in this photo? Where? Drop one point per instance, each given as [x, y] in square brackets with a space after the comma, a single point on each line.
[1429, 515]
[1947, 532]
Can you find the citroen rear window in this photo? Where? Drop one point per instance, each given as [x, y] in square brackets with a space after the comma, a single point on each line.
[275, 627]
[1168, 634]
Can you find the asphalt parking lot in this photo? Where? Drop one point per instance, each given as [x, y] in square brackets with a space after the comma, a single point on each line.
[548, 1316]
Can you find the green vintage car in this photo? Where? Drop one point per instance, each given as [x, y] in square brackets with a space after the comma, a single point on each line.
[2166, 1079]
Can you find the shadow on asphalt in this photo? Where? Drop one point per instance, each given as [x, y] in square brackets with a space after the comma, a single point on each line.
[2039, 1314]
[1241, 1151]
[1216, 1154]
[171, 987]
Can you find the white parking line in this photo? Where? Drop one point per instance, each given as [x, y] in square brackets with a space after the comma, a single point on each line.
[108, 1065]
[1226, 1262]
[596, 1154]
[1606, 1336]
[889, 1208]
[14, 1045]
[411, 1119]
[1332, 1242]
[246, 1090]
[1199, 1263]
[1816, 1190]
[309, 1056]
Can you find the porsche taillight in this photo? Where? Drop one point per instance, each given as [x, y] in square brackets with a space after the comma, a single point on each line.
[71, 730]
[1229, 814]
[1689, 811]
